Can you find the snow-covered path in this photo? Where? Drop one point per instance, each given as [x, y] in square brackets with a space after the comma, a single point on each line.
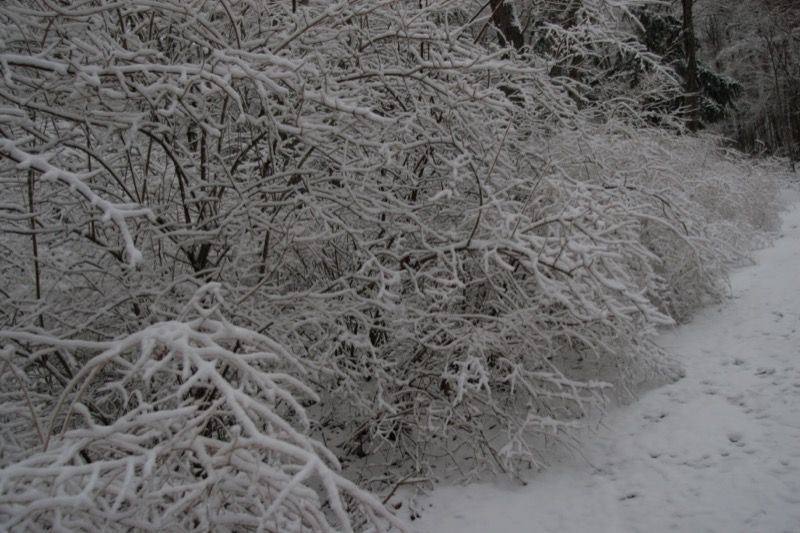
[718, 451]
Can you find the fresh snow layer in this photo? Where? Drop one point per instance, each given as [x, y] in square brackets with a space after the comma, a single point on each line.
[717, 451]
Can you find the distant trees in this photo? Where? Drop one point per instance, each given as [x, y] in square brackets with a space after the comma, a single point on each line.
[286, 246]
[756, 42]
[739, 65]
[708, 96]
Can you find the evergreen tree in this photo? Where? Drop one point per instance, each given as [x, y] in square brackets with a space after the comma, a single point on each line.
[664, 35]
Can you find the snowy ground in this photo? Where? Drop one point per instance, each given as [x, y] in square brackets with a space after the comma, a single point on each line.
[718, 451]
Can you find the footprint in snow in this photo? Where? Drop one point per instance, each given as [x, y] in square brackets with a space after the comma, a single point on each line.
[736, 439]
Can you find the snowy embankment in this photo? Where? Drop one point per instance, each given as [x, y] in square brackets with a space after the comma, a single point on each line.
[717, 451]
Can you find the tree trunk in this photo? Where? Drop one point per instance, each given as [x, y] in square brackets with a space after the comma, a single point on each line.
[784, 113]
[692, 98]
[506, 21]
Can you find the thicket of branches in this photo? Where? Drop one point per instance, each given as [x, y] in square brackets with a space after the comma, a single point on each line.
[430, 245]
[189, 425]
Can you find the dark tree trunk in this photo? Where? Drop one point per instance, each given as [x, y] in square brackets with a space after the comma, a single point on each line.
[506, 21]
[692, 98]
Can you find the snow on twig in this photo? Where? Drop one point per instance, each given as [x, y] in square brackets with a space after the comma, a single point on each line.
[116, 213]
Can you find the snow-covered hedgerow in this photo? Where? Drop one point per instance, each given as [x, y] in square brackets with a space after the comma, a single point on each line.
[463, 246]
[723, 207]
[190, 425]
[701, 208]
[383, 206]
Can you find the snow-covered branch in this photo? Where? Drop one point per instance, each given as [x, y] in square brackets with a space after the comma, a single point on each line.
[116, 213]
[187, 426]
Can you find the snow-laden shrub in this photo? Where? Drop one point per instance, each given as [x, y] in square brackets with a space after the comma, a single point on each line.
[384, 206]
[701, 209]
[190, 425]
[442, 231]
[725, 205]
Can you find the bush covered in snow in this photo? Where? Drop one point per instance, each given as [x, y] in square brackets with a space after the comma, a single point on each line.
[420, 236]
[190, 425]
[701, 209]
